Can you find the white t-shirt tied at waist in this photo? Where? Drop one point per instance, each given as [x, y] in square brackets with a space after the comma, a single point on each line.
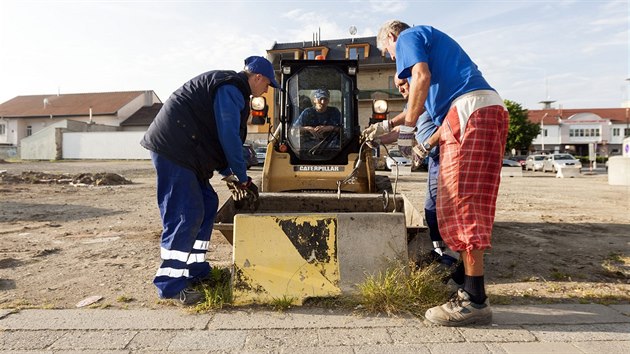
[469, 102]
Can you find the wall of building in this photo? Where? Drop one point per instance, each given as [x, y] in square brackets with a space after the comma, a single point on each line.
[104, 145]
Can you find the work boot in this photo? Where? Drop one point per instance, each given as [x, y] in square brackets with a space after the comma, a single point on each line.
[190, 296]
[460, 311]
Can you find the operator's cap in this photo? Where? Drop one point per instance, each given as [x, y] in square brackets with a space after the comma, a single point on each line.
[321, 93]
[262, 66]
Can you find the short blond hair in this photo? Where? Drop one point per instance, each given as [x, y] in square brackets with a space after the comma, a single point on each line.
[391, 26]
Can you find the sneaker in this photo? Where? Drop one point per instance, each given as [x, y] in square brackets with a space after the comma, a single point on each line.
[189, 296]
[460, 311]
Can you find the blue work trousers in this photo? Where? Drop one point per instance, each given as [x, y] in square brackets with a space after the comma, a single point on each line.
[188, 208]
[430, 202]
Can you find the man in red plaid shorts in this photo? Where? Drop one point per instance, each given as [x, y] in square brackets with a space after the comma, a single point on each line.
[473, 124]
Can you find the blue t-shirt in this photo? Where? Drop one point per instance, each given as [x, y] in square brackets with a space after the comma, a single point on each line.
[311, 118]
[453, 73]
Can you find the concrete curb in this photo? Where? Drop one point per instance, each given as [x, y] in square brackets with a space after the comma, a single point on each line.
[516, 329]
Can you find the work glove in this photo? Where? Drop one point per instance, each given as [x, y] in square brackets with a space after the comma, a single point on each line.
[245, 195]
[422, 150]
[375, 131]
[406, 138]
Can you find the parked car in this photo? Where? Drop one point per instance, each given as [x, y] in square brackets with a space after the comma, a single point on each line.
[249, 155]
[520, 159]
[261, 152]
[534, 162]
[396, 158]
[555, 161]
[511, 163]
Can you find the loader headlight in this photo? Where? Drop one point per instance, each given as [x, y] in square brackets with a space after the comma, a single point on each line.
[258, 103]
[379, 106]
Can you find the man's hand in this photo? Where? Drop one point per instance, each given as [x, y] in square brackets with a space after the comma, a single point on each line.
[422, 150]
[243, 194]
[406, 138]
[375, 131]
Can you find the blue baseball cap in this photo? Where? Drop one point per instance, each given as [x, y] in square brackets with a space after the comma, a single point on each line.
[321, 93]
[262, 66]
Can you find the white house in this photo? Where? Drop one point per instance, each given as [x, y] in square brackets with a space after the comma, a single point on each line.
[572, 130]
[32, 127]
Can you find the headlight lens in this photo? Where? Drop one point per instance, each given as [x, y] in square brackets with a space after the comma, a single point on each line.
[258, 103]
[379, 106]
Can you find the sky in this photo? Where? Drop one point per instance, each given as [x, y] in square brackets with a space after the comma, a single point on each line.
[574, 52]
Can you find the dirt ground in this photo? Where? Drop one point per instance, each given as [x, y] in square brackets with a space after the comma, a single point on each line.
[555, 239]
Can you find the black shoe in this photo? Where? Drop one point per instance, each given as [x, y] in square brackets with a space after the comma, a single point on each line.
[190, 296]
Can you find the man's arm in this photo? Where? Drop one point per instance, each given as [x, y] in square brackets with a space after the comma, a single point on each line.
[418, 91]
[228, 103]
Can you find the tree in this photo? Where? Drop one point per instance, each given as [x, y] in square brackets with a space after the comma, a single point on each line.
[521, 132]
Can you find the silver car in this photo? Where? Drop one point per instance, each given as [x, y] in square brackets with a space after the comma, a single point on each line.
[554, 162]
[534, 162]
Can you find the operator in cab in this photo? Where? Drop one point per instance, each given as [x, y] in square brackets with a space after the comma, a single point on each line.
[320, 119]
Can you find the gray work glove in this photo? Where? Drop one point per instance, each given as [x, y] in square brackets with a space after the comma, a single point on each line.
[375, 131]
[245, 195]
[422, 150]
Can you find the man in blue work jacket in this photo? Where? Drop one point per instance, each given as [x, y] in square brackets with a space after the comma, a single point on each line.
[200, 129]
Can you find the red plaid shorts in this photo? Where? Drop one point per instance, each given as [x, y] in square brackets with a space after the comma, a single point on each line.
[469, 177]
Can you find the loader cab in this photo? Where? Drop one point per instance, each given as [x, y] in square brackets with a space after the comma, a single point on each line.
[319, 111]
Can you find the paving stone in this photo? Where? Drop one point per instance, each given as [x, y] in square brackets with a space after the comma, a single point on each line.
[152, 340]
[494, 334]
[312, 319]
[353, 336]
[104, 319]
[529, 348]
[624, 309]
[433, 334]
[581, 333]
[393, 349]
[28, 340]
[4, 312]
[281, 338]
[477, 348]
[91, 340]
[556, 314]
[608, 347]
[210, 340]
[320, 350]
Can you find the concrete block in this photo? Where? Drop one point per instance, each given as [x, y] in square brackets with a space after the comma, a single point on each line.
[297, 256]
[619, 171]
[564, 172]
[369, 243]
[402, 170]
[511, 172]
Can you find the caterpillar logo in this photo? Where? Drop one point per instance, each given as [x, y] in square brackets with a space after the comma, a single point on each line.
[311, 168]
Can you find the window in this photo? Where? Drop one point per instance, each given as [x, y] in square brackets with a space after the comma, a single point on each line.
[3, 129]
[311, 54]
[615, 131]
[626, 131]
[357, 51]
[544, 132]
[29, 130]
[571, 132]
[390, 83]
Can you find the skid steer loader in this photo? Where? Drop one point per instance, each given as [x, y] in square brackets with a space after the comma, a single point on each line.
[322, 224]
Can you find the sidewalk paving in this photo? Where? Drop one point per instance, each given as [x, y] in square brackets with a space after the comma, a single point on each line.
[558, 328]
